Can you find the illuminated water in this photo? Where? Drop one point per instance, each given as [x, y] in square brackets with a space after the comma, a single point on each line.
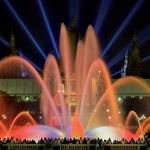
[86, 106]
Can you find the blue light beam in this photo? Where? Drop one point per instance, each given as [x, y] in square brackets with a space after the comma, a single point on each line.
[116, 73]
[123, 26]
[4, 42]
[146, 58]
[103, 10]
[50, 33]
[118, 57]
[142, 37]
[22, 25]
[119, 72]
[74, 8]
[33, 64]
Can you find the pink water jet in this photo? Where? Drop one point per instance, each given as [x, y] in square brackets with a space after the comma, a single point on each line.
[79, 71]
[52, 79]
[98, 67]
[66, 58]
[91, 51]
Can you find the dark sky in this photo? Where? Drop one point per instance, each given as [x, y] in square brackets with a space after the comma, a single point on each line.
[61, 11]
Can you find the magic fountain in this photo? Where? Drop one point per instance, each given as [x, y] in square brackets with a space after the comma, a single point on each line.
[92, 95]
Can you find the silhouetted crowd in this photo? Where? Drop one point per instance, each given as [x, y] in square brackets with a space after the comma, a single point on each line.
[98, 141]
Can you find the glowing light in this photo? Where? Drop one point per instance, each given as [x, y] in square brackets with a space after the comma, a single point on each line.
[123, 26]
[140, 97]
[50, 33]
[4, 116]
[103, 10]
[142, 117]
[40, 117]
[23, 26]
[109, 117]
[27, 98]
[107, 110]
[120, 99]
[119, 112]
[105, 132]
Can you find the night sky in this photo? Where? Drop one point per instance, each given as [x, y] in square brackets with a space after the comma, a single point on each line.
[112, 15]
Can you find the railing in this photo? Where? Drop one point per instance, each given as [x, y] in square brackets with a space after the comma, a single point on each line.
[125, 147]
[22, 147]
[48, 147]
[73, 147]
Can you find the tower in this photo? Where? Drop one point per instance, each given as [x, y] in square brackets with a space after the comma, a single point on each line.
[74, 35]
[12, 44]
[134, 66]
[20, 71]
[73, 23]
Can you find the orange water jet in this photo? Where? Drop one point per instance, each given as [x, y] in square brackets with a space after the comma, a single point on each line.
[21, 116]
[132, 115]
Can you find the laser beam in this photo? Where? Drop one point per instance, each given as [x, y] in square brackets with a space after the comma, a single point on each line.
[74, 8]
[116, 73]
[142, 37]
[4, 42]
[123, 26]
[48, 27]
[146, 58]
[31, 62]
[118, 57]
[103, 10]
[23, 26]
